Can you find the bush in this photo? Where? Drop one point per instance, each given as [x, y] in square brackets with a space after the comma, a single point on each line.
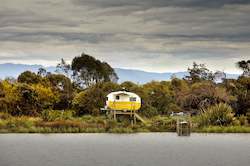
[20, 122]
[243, 120]
[219, 114]
[163, 123]
[149, 111]
[248, 116]
[52, 115]
[5, 116]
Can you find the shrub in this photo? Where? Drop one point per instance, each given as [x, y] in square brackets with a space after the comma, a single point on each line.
[149, 111]
[62, 124]
[4, 116]
[17, 122]
[52, 115]
[2, 124]
[219, 114]
[248, 116]
[243, 120]
[163, 123]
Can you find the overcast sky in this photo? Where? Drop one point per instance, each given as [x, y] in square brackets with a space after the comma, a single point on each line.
[151, 35]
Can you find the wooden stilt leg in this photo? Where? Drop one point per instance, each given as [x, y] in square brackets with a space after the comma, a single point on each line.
[114, 115]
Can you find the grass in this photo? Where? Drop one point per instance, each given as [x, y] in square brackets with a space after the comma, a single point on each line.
[224, 129]
[100, 124]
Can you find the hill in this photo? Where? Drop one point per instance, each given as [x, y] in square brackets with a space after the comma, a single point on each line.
[137, 76]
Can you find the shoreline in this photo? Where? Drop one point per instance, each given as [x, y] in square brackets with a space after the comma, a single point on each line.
[206, 130]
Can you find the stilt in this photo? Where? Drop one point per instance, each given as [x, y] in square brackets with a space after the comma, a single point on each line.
[133, 116]
[114, 112]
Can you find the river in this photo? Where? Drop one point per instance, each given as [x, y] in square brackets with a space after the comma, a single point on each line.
[144, 149]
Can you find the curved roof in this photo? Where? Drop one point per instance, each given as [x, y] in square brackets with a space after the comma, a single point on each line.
[123, 92]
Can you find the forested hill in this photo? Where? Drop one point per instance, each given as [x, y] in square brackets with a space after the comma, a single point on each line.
[137, 76]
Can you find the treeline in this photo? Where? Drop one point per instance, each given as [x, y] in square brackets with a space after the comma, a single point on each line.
[82, 87]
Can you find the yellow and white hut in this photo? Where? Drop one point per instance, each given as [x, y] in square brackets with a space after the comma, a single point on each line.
[123, 100]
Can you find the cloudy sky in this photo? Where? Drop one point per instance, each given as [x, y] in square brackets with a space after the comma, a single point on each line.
[152, 35]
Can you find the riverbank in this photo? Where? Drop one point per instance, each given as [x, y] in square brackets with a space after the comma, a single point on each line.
[101, 124]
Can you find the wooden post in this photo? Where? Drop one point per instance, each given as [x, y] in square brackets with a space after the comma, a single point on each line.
[134, 117]
[114, 115]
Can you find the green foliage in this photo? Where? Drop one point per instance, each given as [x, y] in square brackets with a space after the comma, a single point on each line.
[243, 120]
[198, 73]
[88, 71]
[245, 66]
[158, 95]
[63, 87]
[149, 111]
[32, 93]
[219, 114]
[224, 129]
[202, 95]
[53, 115]
[163, 123]
[248, 116]
[29, 78]
[92, 99]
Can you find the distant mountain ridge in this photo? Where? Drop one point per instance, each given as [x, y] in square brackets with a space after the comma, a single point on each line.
[139, 76]
[13, 70]
[136, 76]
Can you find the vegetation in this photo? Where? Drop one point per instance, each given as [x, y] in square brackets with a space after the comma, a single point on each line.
[218, 115]
[70, 99]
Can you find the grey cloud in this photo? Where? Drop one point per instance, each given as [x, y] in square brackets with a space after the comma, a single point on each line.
[148, 34]
[43, 37]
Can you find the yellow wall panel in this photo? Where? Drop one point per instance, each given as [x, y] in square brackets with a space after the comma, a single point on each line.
[124, 105]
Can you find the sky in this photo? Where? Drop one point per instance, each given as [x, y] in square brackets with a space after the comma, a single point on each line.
[151, 35]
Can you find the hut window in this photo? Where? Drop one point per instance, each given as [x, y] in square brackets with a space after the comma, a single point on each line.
[117, 97]
[132, 99]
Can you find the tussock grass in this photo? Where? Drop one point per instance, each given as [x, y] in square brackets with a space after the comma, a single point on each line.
[224, 129]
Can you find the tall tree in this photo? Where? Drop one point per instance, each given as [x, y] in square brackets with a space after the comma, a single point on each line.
[199, 72]
[87, 71]
[63, 68]
[245, 66]
[62, 85]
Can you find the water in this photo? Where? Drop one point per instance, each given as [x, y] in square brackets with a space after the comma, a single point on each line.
[151, 149]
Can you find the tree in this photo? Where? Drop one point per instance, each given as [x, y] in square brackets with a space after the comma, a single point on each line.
[46, 96]
[242, 92]
[245, 66]
[202, 95]
[109, 73]
[88, 71]
[63, 68]
[42, 72]
[29, 78]
[159, 95]
[62, 85]
[199, 72]
[2, 93]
